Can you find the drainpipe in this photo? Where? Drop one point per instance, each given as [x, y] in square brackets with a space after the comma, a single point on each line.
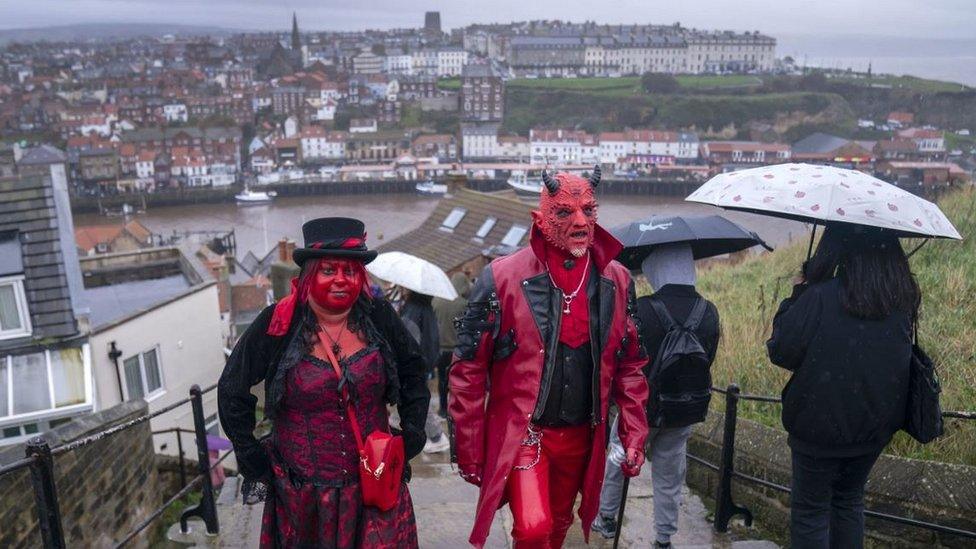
[114, 353]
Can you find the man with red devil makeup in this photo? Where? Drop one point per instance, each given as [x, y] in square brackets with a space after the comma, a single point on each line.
[547, 340]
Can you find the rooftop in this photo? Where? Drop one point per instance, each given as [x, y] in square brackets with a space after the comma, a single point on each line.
[122, 285]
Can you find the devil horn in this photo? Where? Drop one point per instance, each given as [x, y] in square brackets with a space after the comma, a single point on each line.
[595, 176]
[551, 184]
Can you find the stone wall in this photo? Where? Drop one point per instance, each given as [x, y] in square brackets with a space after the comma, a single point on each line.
[935, 492]
[104, 489]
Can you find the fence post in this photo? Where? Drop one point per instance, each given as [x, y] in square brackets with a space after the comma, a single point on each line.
[179, 446]
[45, 493]
[206, 509]
[725, 508]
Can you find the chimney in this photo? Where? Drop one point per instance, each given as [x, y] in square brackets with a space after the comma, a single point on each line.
[454, 183]
[286, 249]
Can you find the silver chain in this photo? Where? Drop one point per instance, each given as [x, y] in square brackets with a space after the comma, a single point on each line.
[534, 439]
[568, 298]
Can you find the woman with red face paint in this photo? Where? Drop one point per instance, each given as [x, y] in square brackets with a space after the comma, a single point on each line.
[307, 470]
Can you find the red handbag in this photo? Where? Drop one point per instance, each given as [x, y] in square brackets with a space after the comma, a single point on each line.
[381, 457]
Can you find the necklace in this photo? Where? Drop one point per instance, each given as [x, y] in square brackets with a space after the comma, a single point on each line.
[568, 298]
[336, 348]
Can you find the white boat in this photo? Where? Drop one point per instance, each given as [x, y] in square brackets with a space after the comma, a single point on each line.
[431, 188]
[524, 186]
[247, 197]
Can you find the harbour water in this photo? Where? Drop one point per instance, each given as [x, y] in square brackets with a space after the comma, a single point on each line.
[258, 228]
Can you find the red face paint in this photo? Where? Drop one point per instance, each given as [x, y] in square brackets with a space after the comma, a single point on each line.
[335, 283]
[568, 218]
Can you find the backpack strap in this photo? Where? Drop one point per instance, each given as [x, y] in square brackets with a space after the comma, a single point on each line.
[696, 315]
[667, 321]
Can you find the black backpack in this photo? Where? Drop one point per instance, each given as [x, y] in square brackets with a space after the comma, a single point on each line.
[680, 377]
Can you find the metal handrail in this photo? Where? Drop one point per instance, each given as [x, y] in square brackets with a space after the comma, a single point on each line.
[725, 508]
[39, 460]
[778, 400]
[74, 445]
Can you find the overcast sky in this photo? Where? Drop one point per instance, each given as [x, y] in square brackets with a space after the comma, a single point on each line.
[910, 18]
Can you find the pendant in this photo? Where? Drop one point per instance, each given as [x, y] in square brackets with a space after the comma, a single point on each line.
[337, 351]
[566, 308]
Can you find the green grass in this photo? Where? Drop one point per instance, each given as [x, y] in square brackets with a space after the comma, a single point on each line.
[613, 109]
[913, 83]
[627, 86]
[624, 86]
[961, 142]
[712, 81]
[748, 294]
[449, 84]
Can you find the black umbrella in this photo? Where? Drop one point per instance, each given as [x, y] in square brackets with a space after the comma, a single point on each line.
[709, 235]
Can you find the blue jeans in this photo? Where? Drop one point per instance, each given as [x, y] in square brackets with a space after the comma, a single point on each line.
[827, 503]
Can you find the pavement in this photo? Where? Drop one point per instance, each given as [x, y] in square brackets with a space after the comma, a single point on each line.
[444, 506]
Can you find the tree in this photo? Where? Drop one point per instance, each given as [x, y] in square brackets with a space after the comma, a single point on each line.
[655, 82]
[814, 81]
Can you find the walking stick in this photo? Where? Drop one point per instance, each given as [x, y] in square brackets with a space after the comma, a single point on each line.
[620, 512]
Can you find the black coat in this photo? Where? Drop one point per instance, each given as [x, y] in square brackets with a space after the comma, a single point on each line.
[261, 357]
[849, 388]
[419, 310]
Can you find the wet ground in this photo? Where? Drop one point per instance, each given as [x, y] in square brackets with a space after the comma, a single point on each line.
[444, 506]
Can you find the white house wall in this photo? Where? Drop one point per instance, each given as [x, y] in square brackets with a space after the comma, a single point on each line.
[187, 332]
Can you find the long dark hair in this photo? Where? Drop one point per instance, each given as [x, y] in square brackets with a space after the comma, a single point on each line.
[873, 271]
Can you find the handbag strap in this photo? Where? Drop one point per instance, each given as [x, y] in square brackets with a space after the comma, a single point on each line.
[357, 434]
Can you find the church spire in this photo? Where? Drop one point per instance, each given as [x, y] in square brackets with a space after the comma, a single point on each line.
[296, 40]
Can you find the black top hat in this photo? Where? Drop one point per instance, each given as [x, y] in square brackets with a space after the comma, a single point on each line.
[334, 237]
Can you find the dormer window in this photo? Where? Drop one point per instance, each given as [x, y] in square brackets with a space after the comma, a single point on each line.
[452, 219]
[14, 317]
[486, 227]
[514, 235]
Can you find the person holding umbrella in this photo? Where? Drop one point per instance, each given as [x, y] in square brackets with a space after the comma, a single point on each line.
[846, 332]
[846, 335]
[680, 330]
[417, 282]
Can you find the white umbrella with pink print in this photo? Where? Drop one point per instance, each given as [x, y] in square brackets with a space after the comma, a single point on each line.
[825, 195]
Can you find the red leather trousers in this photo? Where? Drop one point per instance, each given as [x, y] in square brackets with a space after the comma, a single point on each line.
[543, 485]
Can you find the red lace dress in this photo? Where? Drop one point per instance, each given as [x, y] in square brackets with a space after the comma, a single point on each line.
[315, 500]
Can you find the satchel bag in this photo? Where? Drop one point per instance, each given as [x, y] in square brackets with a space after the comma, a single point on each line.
[381, 457]
[923, 415]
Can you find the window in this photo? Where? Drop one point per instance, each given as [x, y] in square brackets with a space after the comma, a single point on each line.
[44, 382]
[514, 235]
[453, 218]
[14, 318]
[486, 227]
[142, 375]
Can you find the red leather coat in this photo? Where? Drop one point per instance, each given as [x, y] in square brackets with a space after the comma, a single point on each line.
[506, 342]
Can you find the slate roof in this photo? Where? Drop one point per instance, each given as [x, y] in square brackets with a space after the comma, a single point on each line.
[42, 154]
[819, 143]
[27, 206]
[449, 249]
[117, 301]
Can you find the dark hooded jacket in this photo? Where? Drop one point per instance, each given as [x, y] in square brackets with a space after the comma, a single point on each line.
[418, 310]
[849, 385]
[259, 357]
[447, 311]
